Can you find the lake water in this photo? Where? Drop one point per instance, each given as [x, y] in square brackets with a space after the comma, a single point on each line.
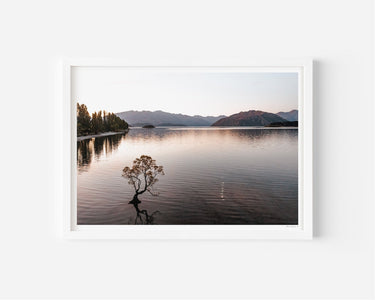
[244, 175]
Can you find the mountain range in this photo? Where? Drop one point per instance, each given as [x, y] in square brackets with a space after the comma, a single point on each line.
[249, 118]
[290, 115]
[161, 118]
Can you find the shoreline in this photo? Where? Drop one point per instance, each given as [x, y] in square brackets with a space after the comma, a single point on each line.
[86, 137]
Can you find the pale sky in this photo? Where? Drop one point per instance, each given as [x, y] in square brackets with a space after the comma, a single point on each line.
[190, 92]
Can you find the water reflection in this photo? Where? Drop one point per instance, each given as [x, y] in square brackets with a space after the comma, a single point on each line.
[214, 176]
[143, 217]
[84, 152]
[96, 147]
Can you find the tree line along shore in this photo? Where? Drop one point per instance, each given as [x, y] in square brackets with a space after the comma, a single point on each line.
[98, 123]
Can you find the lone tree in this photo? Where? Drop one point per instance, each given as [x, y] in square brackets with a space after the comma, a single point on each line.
[142, 175]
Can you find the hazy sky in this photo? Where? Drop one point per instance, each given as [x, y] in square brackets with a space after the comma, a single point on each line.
[190, 92]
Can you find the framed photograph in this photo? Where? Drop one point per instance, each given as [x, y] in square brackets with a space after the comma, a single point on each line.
[193, 150]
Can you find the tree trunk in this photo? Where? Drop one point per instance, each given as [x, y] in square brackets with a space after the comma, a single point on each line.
[135, 200]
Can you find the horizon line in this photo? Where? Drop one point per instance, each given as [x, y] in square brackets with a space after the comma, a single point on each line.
[159, 110]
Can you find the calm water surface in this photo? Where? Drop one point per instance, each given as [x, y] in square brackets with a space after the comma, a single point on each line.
[212, 176]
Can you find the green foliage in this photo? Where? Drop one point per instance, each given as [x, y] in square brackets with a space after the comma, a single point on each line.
[83, 120]
[114, 123]
[98, 122]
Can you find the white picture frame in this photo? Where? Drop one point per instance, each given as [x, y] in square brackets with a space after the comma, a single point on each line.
[303, 231]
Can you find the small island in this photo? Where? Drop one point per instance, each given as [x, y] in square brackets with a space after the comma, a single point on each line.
[148, 126]
[283, 124]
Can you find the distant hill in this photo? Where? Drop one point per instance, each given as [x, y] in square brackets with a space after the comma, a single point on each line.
[289, 116]
[161, 118]
[249, 118]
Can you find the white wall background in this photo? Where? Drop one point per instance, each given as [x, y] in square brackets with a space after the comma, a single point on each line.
[338, 263]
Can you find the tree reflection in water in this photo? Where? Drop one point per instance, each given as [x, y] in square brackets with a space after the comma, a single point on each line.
[95, 147]
[147, 218]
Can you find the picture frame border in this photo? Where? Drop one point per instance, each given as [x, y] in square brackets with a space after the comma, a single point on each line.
[303, 231]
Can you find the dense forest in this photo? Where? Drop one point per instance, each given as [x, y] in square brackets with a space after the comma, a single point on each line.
[98, 122]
